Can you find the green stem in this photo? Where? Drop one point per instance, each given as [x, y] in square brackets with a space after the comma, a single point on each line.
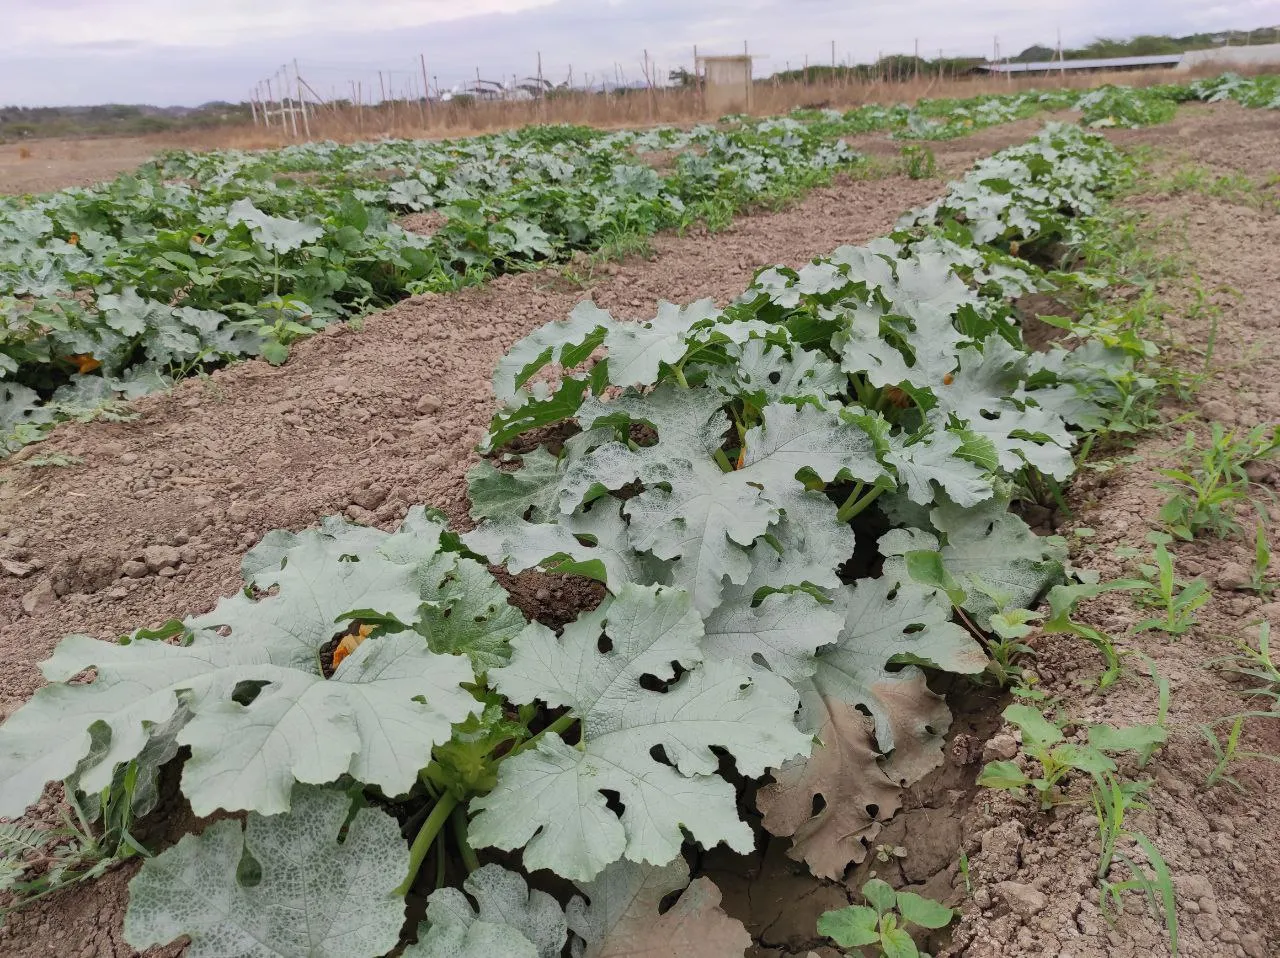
[723, 461]
[459, 820]
[680, 376]
[440, 860]
[559, 725]
[426, 835]
[853, 497]
[847, 512]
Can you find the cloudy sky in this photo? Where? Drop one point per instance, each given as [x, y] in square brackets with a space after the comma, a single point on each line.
[167, 53]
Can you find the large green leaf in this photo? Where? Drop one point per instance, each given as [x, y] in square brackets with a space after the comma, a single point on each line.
[567, 343]
[935, 459]
[590, 543]
[314, 895]
[263, 714]
[276, 233]
[529, 492]
[507, 920]
[820, 441]
[990, 550]
[637, 350]
[898, 623]
[783, 632]
[550, 799]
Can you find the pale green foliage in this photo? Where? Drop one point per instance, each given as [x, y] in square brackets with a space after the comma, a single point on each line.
[713, 468]
[902, 624]
[277, 234]
[990, 550]
[548, 799]
[314, 896]
[507, 919]
[259, 703]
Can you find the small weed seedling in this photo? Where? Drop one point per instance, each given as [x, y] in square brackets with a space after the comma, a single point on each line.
[1160, 589]
[1254, 664]
[919, 163]
[1157, 887]
[882, 924]
[1202, 499]
[1043, 741]
[84, 847]
[1225, 752]
[1005, 645]
[1063, 600]
[1113, 798]
[1261, 563]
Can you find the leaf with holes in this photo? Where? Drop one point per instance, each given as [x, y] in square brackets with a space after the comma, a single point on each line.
[593, 544]
[885, 622]
[653, 749]
[567, 343]
[833, 804]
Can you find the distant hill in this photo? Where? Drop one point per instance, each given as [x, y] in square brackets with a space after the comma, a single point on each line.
[115, 119]
[902, 65]
[1152, 45]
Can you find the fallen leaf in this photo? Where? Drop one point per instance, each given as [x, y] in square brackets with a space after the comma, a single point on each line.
[857, 796]
[622, 920]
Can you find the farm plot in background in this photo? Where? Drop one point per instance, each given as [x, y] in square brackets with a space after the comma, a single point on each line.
[110, 292]
[728, 465]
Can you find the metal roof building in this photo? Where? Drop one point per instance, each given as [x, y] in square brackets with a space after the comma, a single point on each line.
[1108, 63]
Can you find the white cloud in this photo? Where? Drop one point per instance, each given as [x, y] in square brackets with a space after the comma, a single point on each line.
[229, 22]
[162, 51]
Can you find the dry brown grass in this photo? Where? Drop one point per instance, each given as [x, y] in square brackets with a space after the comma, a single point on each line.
[679, 107]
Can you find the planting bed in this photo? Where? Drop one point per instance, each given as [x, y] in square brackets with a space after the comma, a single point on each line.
[130, 523]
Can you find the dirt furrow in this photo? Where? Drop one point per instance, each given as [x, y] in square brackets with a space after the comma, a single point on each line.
[1035, 888]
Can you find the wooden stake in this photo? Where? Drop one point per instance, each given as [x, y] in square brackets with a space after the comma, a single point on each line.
[648, 80]
[426, 87]
[297, 81]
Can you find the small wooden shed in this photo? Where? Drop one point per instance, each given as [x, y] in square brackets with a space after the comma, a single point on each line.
[727, 86]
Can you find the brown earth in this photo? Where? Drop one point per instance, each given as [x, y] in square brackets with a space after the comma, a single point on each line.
[41, 166]
[372, 421]
[1220, 844]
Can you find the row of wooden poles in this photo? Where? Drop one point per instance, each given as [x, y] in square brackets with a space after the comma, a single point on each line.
[288, 102]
